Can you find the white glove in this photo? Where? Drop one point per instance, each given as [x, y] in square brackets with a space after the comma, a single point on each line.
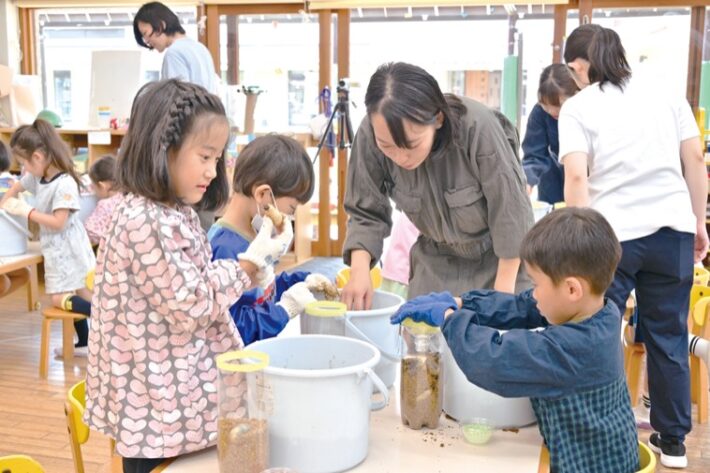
[265, 250]
[17, 206]
[295, 299]
[265, 277]
[320, 283]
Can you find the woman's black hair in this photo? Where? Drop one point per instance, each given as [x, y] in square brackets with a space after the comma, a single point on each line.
[161, 18]
[400, 91]
[556, 81]
[163, 115]
[603, 49]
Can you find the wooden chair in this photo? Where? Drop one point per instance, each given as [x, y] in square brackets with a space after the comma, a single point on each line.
[49, 315]
[19, 464]
[633, 356]
[697, 322]
[698, 372]
[647, 460]
[74, 407]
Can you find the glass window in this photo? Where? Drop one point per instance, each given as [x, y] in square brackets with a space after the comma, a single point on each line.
[67, 39]
[62, 94]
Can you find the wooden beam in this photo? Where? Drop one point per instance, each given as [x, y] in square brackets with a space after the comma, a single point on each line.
[28, 64]
[558, 36]
[232, 49]
[199, 13]
[212, 35]
[574, 4]
[343, 72]
[260, 9]
[585, 11]
[322, 246]
[695, 55]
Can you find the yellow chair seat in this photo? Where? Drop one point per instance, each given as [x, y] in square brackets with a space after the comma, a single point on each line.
[647, 460]
[19, 464]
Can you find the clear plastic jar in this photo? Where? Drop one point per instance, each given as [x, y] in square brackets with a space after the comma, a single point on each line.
[421, 375]
[244, 405]
[324, 318]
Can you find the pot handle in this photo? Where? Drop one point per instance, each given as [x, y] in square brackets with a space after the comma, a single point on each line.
[377, 405]
[14, 223]
[396, 358]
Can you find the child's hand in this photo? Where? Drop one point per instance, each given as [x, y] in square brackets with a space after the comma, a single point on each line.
[430, 309]
[17, 206]
[319, 283]
[295, 299]
[265, 250]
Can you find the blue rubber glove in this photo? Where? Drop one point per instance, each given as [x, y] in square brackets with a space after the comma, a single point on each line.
[429, 309]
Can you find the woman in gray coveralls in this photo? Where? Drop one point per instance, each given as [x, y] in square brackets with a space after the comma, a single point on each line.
[451, 165]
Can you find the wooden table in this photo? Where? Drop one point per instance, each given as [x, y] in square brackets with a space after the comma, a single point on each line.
[28, 260]
[394, 448]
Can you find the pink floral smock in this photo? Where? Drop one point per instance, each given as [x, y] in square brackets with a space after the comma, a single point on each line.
[160, 315]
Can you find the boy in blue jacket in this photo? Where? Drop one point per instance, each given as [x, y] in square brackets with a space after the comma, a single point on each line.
[572, 369]
[271, 170]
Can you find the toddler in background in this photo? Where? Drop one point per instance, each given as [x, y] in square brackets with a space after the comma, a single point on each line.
[395, 261]
[51, 177]
[103, 180]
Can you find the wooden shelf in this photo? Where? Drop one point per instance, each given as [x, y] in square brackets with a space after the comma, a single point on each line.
[79, 138]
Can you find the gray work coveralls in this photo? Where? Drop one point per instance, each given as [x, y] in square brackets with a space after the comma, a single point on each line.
[469, 202]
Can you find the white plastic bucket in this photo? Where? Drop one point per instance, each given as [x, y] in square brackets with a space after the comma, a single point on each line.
[14, 234]
[465, 401]
[540, 209]
[373, 326]
[319, 389]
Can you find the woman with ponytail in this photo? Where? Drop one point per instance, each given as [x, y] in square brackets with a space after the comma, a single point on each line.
[630, 150]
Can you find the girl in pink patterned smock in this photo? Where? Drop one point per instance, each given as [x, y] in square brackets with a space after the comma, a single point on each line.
[160, 311]
[103, 180]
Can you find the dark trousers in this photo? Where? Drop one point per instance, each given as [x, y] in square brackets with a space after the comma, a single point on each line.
[660, 267]
[140, 465]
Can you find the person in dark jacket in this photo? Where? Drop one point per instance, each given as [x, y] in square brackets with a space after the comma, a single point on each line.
[541, 145]
[571, 365]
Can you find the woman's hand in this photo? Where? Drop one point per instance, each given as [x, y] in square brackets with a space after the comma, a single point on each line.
[357, 293]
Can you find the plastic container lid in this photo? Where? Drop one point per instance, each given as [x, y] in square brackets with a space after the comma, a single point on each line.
[326, 309]
[420, 328]
[225, 361]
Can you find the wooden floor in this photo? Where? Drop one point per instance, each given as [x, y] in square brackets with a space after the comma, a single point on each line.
[32, 414]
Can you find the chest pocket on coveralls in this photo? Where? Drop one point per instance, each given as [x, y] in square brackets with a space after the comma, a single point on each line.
[467, 208]
[409, 204]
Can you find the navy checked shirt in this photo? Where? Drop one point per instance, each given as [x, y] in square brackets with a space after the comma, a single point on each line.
[572, 372]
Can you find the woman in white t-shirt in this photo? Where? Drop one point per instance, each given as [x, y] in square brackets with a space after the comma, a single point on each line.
[623, 141]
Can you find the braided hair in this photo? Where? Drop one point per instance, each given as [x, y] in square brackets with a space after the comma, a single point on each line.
[164, 114]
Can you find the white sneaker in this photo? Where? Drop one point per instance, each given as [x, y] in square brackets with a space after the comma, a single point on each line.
[642, 414]
[79, 352]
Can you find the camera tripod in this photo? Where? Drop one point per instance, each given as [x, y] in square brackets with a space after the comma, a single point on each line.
[345, 127]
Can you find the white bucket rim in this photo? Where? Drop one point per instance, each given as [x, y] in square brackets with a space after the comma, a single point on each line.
[377, 312]
[318, 373]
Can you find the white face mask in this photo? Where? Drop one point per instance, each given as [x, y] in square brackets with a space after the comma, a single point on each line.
[257, 220]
